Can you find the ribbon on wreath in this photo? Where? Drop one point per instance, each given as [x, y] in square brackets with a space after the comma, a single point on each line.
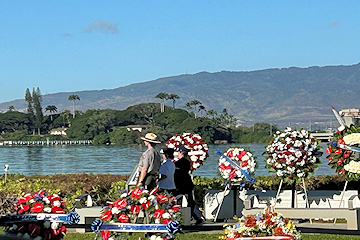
[237, 167]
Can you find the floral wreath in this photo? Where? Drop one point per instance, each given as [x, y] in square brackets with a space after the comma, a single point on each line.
[37, 203]
[292, 154]
[261, 224]
[341, 152]
[158, 208]
[196, 145]
[243, 158]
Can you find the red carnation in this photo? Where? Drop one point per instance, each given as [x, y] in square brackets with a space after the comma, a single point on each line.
[152, 192]
[241, 154]
[330, 159]
[53, 198]
[346, 155]
[161, 198]
[123, 218]
[338, 151]
[38, 207]
[342, 171]
[107, 215]
[23, 208]
[57, 210]
[175, 208]
[166, 221]
[340, 161]
[146, 205]
[135, 209]
[341, 141]
[224, 167]
[328, 150]
[136, 193]
[121, 203]
[244, 163]
[232, 174]
[105, 234]
[158, 213]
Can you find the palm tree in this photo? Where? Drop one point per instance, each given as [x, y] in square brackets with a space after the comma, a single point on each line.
[173, 97]
[74, 98]
[11, 108]
[52, 109]
[202, 109]
[194, 103]
[65, 114]
[162, 96]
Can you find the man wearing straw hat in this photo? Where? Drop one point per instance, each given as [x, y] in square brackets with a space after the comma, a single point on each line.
[150, 162]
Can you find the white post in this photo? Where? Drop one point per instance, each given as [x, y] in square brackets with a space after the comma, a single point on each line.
[220, 203]
[342, 197]
[6, 169]
[278, 193]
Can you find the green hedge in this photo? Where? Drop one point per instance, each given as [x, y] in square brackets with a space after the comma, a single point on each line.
[105, 188]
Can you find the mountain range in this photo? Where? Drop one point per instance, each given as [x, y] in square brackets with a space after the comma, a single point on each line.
[279, 96]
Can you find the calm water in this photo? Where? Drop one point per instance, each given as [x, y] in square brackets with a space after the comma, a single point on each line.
[108, 159]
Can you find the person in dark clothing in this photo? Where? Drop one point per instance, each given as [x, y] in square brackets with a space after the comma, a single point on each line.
[183, 181]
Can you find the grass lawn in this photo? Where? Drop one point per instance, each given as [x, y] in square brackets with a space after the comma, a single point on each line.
[195, 236]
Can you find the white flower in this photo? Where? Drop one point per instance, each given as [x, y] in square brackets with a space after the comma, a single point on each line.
[115, 210]
[47, 210]
[32, 200]
[57, 203]
[166, 215]
[124, 195]
[46, 200]
[54, 225]
[143, 200]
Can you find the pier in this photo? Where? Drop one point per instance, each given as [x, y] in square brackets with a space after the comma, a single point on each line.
[45, 143]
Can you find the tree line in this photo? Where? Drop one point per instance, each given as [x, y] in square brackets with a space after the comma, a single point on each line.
[110, 126]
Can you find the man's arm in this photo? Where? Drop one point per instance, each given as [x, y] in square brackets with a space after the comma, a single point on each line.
[142, 176]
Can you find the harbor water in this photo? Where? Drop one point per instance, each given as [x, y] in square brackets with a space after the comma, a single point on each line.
[62, 159]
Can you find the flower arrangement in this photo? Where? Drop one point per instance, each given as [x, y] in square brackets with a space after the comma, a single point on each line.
[198, 149]
[243, 158]
[141, 206]
[261, 225]
[47, 226]
[292, 154]
[39, 202]
[340, 152]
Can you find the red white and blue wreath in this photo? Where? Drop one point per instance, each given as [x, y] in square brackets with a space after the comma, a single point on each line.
[237, 165]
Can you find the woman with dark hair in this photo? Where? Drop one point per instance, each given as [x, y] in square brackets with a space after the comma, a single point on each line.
[167, 170]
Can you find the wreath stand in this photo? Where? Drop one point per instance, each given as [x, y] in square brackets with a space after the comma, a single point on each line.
[230, 187]
[293, 189]
[342, 197]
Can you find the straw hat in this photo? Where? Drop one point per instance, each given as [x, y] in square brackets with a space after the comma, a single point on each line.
[150, 137]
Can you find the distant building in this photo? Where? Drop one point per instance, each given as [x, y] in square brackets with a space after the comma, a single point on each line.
[138, 128]
[58, 131]
[350, 116]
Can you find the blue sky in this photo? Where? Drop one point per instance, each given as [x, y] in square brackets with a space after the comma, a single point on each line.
[69, 46]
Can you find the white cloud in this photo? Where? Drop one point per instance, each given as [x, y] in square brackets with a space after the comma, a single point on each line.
[66, 35]
[102, 26]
